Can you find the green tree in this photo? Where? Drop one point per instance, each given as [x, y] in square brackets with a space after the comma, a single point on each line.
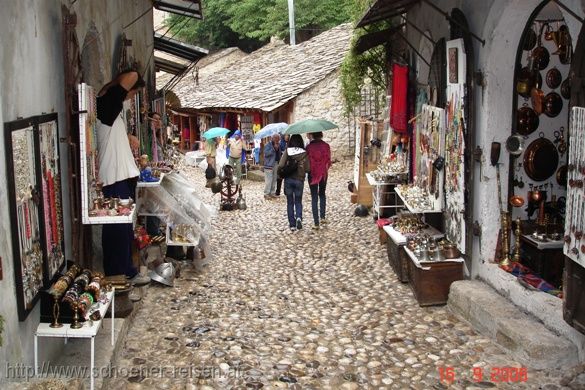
[249, 24]
[357, 69]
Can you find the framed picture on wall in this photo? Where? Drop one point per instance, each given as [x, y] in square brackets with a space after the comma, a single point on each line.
[453, 67]
[24, 203]
[35, 203]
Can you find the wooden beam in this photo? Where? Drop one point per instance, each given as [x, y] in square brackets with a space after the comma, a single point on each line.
[371, 40]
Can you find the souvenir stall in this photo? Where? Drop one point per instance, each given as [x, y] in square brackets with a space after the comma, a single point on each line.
[533, 215]
[170, 213]
[428, 241]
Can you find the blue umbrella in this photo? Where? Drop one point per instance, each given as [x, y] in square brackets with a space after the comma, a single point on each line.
[215, 132]
[271, 129]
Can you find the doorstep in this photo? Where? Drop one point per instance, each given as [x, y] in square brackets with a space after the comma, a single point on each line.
[527, 339]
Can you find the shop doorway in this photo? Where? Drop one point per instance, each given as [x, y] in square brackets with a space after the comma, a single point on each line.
[538, 149]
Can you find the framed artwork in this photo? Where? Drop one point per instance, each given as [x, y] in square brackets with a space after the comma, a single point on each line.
[35, 203]
[23, 192]
[453, 65]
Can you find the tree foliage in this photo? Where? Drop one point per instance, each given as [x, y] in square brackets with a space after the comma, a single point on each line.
[359, 69]
[249, 24]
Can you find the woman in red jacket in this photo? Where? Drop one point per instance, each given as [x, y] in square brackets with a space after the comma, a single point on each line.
[319, 154]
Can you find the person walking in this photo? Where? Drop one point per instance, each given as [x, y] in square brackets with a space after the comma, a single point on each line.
[271, 154]
[118, 171]
[237, 149]
[319, 154]
[281, 148]
[295, 180]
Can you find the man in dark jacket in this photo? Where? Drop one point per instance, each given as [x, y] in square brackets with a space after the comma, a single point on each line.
[271, 155]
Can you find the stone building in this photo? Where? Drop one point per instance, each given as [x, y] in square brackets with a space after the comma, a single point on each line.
[276, 83]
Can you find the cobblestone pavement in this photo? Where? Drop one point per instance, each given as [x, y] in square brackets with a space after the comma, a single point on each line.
[309, 309]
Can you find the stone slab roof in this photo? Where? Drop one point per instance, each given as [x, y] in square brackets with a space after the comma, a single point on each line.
[269, 77]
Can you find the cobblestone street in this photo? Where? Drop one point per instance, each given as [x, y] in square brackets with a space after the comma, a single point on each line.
[307, 309]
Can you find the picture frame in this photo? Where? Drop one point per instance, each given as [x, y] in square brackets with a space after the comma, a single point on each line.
[36, 258]
[453, 65]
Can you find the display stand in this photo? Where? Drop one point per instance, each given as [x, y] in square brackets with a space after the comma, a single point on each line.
[397, 257]
[379, 193]
[431, 280]
[414, 210]
[87, 331]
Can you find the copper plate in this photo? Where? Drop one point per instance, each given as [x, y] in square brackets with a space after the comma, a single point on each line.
[562, 176]
[541, 159]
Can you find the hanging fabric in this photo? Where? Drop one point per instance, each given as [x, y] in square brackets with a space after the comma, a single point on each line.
[399, 108]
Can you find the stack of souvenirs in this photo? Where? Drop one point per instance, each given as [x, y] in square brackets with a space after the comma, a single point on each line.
[80, 290]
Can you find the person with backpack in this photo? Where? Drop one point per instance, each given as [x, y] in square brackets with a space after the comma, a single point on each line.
[293, 167]
[319, 154]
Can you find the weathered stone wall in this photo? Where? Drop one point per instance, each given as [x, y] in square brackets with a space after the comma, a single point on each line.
[324, 101]
[31, 83]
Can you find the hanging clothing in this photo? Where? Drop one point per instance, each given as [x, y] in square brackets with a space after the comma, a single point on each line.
[399, 108]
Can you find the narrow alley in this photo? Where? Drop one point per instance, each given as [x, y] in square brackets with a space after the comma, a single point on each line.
[309, 309]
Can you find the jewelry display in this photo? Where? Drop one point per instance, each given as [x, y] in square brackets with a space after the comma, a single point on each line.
[51, 191]
[76, 324]
[56, 323]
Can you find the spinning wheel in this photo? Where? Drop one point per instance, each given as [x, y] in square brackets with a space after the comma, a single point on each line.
[229, 189]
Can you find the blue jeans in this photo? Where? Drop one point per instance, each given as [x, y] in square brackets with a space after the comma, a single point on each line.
[117, 238]
[293, 189]
[318, 193]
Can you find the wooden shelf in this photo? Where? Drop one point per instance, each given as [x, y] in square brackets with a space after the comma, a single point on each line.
[105, 220]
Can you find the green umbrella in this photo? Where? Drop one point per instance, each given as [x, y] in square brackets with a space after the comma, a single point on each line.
[310, 126]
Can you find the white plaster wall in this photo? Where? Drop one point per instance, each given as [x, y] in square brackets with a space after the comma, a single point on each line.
[324, 101]
[32, 82]
[500, 23]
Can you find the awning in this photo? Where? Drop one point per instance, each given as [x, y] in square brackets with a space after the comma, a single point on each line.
[162, 64]
[385, 9]
[178, 48]
[190, 8]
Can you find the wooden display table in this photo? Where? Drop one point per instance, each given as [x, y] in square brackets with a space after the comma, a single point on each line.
[397, 257]
[430, 280]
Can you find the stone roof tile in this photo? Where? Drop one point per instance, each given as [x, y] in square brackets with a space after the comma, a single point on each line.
[269, 77]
